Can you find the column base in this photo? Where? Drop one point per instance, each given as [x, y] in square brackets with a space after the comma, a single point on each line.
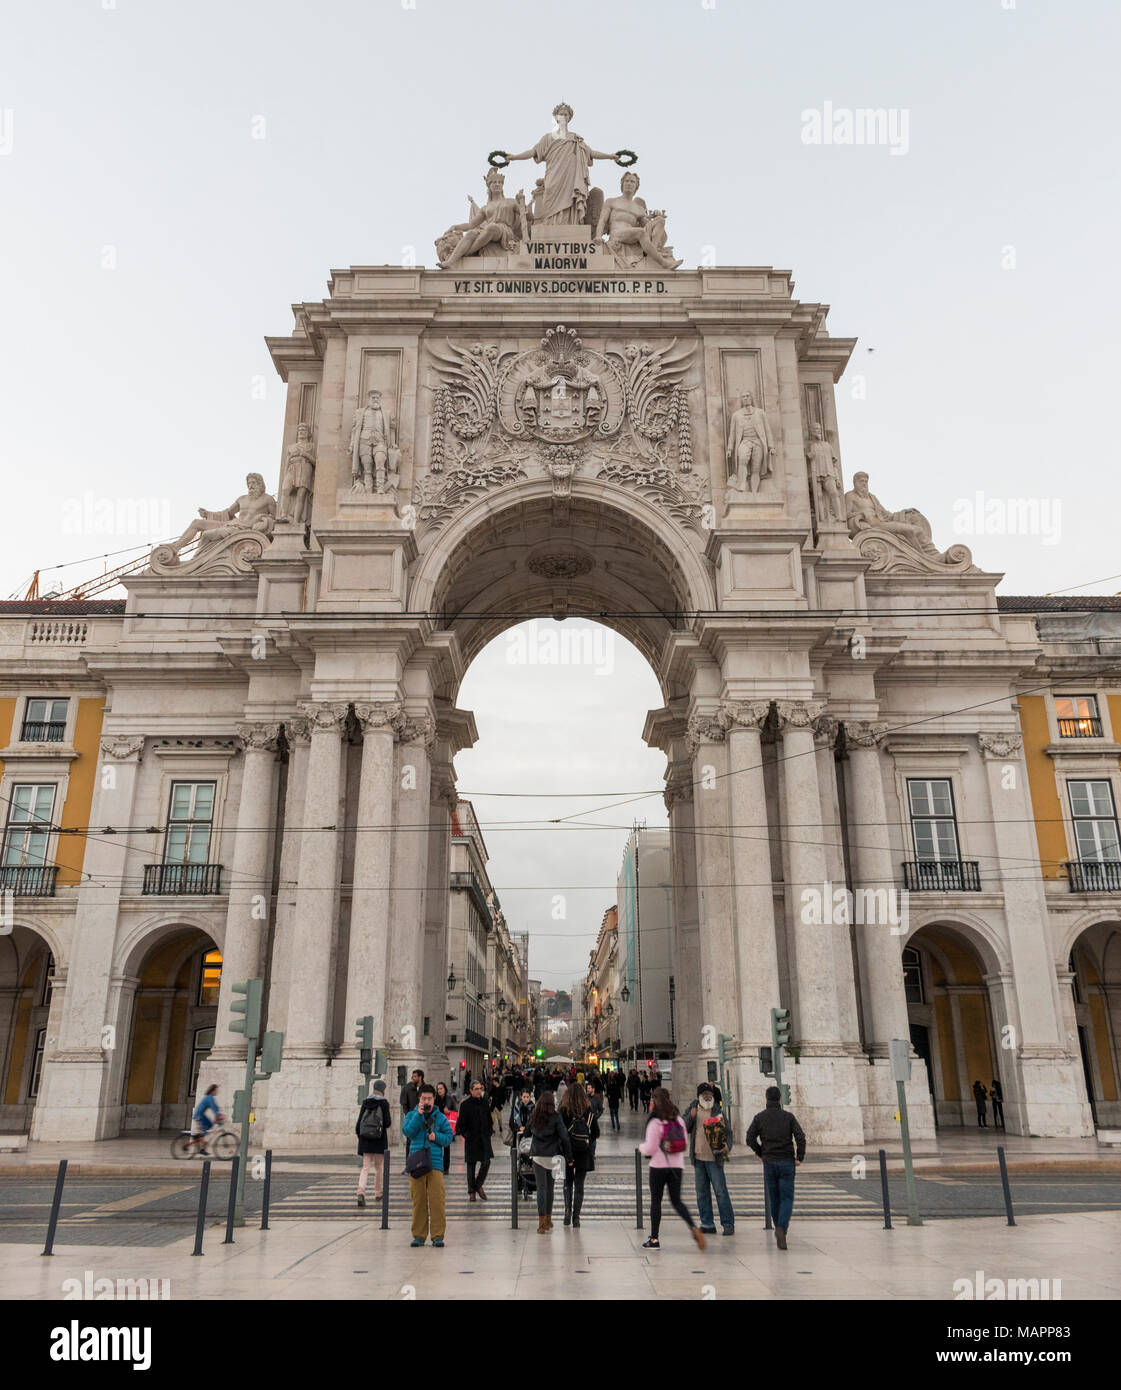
[825, 1095]
[70, 1104]
[1052, 1100]
[880, 1102]
[308, 1107]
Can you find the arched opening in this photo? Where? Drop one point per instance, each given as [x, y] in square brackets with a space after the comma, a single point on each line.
[1095, 969]
[952, 1022]
[174, 1013]
[27, 969]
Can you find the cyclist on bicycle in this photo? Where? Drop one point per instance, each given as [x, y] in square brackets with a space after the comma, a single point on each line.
[201, 1122]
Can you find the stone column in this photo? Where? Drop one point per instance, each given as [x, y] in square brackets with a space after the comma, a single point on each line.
[758, 985]
[74, 1102]
[825, 739]
[410, 877]
[685, 939]
[297, 735]
[248, 904]
[873, 872]
[316, 903]
[367, 982]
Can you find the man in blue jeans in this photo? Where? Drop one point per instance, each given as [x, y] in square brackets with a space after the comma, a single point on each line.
[776, 1137]
[708, 1161]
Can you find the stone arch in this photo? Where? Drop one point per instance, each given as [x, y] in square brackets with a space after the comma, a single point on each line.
[1094, 961]
[28, 961]
[136, 944]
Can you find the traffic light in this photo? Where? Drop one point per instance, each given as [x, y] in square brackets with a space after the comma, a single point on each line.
[272, 1045]
[247, 1010]
[784, 1091]
[539, 1053]
[780, 1027]
[462, 1064]
[767, 1061]
[241, 1107]
[381, 1061]
[364, 1036]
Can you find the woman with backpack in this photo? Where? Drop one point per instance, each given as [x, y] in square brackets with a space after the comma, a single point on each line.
[580, 1120]
[550, 1141]
[372, 1129]
[665, 1144]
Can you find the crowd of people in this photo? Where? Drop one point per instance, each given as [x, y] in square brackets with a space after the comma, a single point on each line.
[554, 1126]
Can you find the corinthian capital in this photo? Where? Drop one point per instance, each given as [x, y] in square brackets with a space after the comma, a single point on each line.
[325, 716]
[825, 730]
[415, 729]
[122, 747]
[705, 727]
[744, 714]
[863, 733]
[1002, 745]
[297, 730]
[378, 714]
[679, 785]
[798, 714]
[259, 735]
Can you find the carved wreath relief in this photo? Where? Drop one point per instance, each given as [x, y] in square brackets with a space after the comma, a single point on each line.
[559, 409]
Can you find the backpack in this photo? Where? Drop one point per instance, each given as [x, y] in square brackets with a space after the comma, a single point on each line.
[716, 1132]
[580, 1132]
[673, 1137]
[372, 1123]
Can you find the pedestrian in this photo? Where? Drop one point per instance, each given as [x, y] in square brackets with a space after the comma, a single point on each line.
[409, 1094]
[776, 1138]
[497, 1097]
[633, 1088]
[550, 1142]
[997, 1097]
[708, 1153]
[664, 1144]
[562, 1089]
[521, 1110]
[372, 1129]
[614, 1090]
[448, 1106]
[475, 1128]
[595, 1100]
[201, 1122]
[583, 1130]
[645, 1089]
[980, 1095]
[429, 1134]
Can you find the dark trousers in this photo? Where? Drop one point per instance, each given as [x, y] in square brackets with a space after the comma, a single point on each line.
[633, 1099]
[475, 1181]
[663, 1180]
[613, 1107]
[981, 1113]
[998, 1113]
[779, 1181]
[546, 1189]
[573, 1190]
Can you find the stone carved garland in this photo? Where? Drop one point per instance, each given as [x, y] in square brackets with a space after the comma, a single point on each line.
[120, 747]
[1008, 745]
[499, 417]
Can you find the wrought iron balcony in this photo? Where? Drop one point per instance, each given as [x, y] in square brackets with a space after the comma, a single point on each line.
[942, 876]
[1080, 728]
[181, 879]
[42, 731]
[29, 880]
[1094, 875]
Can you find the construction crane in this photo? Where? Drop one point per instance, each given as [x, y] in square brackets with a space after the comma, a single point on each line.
[109, 579]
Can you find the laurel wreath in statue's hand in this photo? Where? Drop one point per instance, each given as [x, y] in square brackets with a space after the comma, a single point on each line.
[625, 163]
[498, 159]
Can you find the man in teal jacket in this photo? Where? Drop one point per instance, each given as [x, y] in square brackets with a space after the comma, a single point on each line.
[428, 1131]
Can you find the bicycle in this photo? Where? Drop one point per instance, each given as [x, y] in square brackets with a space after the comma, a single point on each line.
[216, 1143]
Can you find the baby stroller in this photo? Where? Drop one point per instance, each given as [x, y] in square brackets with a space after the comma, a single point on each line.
[527, 1169]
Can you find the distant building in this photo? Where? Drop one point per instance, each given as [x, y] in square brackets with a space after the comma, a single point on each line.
[645, 906]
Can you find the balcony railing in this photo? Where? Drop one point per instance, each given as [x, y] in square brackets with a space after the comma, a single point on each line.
[29, 880]
[42, 731]
[476, 1039]
[465, 880]
[177, 879]
[1080, 728]
[1094, 876]
[942, 876]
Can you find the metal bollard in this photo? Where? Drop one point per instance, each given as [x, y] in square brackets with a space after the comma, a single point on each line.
[386, 1165]
[884, 1191]
[637, 1190]
[1004, 1184]
[204, 1188]
[56, 1203]
[768, 1224]
[232, 1204]
[267, 1192]
[514, 1184]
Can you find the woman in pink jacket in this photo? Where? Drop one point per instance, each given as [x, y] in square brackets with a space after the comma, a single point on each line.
[666, 1145]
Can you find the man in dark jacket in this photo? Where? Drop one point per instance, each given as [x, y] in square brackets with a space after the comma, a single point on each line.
[474, 1128]
[776, 1137]
[632, 1088]
[614, 1088]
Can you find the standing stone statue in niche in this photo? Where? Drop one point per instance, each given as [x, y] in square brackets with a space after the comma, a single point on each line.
[567, 158]
[823, 473]
[751, 449]
[632, 230]
[299, 479]
[255, 510]
[373, 448]
[501, 221]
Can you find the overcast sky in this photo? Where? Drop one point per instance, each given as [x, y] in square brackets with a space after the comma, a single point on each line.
[174, 176]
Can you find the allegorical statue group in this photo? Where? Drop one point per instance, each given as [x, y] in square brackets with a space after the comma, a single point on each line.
[562, 197]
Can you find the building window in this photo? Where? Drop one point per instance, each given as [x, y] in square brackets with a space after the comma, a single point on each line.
[1095, 822]
[190, 821]
[427, 1022]
[912, 976]
[28, 831]
[210, 978]
[37, 1064]
[48, 983]
[933, 824]
[44, 721]
[1075, 989]
[1078, 716]
[200, 1051]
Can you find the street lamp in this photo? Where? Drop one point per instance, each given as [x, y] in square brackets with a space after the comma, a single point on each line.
[451, 979]
[610, 1009]
[625, 994]
[502, 1006]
